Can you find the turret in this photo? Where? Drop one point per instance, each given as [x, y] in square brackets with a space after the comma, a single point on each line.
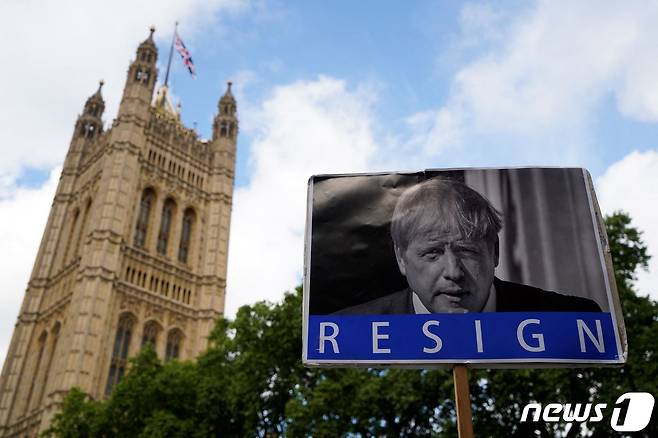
[89, 124]
[87, 128]
[226, 121]
[142, 74]
[225, 129]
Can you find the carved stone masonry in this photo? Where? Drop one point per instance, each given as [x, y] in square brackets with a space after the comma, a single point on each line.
[124, 245]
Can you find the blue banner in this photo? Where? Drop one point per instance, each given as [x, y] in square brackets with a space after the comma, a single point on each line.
[469, 337]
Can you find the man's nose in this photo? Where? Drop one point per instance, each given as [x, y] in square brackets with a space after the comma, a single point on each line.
[453, 270]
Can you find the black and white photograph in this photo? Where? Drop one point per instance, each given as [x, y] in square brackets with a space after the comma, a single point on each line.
[455, 241]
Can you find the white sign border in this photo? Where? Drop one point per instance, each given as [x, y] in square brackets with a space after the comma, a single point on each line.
[599, 231]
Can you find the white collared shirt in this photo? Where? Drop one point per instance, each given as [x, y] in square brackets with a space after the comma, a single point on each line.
[489, 306]
[419, 307]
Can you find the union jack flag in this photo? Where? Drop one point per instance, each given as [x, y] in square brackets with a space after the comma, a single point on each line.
[185, 54]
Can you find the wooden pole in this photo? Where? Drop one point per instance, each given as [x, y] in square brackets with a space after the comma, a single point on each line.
[462, 401]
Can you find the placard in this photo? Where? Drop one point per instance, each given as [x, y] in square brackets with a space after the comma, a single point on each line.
[491, 267]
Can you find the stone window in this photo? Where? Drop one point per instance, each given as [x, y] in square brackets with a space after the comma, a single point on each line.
[165, 225]
[54, 334]
[74, 224]
[174, 341]
[88, 130]
[119, 361]
[37, 366]
[150, 335]
[143, 219]
[83, 226]
[142, 75]
[186, 235]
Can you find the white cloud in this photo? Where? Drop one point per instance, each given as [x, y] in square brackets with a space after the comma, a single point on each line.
[23, 216]
[305, 128]
[65, 48]
[532, 94]
[55, 52]
[630, 185]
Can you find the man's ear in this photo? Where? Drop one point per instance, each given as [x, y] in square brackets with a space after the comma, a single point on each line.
[400, 259]
[496, 253]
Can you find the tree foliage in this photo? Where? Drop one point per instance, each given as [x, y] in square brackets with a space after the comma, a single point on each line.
[250, 382]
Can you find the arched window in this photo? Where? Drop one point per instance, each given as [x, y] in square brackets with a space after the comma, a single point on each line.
[142, 75]
[165, 225]
[174, 341]
[185, 235]
[143, 219]
[53, 346]
[223, 132]
[40, 347]
[83, 226]
[150, 335]
[89, 130]
[119, 360]
[76, 213]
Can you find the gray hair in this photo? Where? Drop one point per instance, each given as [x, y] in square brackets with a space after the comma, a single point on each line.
[456, 206]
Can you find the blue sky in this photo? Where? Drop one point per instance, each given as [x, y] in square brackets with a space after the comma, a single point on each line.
[409, 54]
[339, 87]
[396, 49]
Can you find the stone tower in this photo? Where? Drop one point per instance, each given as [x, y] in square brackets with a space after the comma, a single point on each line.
[134, 251]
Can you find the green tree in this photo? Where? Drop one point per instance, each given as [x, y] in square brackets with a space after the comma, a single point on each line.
[250, 382]
[500, 395]
[78, 417]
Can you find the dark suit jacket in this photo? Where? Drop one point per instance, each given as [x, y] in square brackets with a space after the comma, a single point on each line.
[510, 297]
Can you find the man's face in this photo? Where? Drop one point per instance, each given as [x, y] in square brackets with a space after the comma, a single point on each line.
[449, 274]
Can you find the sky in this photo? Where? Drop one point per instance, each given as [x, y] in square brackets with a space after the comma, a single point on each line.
[336, 87]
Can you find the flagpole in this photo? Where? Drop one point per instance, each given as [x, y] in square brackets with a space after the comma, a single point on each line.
[171, 52]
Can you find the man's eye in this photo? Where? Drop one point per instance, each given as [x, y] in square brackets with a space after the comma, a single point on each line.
[433, 253]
